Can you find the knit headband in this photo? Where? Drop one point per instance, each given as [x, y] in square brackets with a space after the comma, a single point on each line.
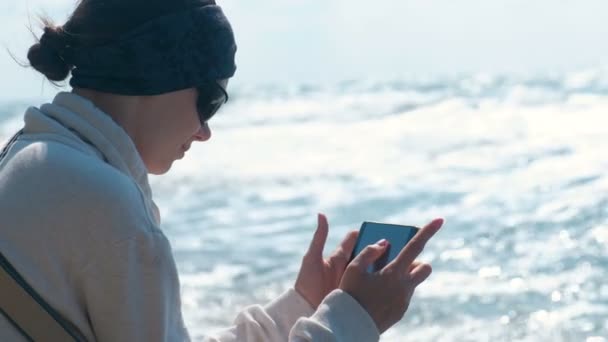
[174, 52]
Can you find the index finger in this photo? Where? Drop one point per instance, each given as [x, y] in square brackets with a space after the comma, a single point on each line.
[411, 251]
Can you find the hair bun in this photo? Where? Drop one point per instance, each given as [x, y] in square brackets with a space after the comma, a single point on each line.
[46, 56]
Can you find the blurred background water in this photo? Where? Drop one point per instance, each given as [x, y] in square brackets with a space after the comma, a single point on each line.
[491, 115]
[517, 168]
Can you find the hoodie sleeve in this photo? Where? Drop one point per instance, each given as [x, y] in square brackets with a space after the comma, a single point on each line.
[339, 318]
[272, 322]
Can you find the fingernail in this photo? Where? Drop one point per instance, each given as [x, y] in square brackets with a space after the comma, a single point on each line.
[382, 243]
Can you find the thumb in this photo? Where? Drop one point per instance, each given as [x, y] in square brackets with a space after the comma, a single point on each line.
[320, 237]
[369, 255]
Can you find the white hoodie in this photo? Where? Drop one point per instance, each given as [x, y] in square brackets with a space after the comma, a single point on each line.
[78, 222]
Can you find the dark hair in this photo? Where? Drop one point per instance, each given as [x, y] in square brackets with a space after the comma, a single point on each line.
[94, 23]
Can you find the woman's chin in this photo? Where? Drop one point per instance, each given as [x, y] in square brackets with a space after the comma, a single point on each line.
[160, 168]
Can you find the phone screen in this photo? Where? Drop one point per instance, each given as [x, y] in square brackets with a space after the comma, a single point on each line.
[397, 235]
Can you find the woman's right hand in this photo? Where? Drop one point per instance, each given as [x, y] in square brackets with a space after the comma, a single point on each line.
[386, 294]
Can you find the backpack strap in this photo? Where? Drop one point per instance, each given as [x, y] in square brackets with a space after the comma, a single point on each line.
[35, 319]
[9, 144]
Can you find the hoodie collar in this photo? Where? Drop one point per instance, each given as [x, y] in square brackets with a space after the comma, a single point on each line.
[96, 128]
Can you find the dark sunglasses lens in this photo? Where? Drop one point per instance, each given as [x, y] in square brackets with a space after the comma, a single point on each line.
[207, 109]
[209, 102]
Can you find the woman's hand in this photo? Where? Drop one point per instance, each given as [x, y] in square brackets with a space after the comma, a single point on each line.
[386, 294]
[319, 276]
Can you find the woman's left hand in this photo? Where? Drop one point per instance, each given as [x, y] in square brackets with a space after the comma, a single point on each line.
[319, 276]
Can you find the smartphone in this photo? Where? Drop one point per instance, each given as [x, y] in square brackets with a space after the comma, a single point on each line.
[397, 235]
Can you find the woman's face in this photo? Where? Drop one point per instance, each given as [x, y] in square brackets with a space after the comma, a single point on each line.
[169, 125]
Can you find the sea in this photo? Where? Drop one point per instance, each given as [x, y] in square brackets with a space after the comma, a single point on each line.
[517, 166]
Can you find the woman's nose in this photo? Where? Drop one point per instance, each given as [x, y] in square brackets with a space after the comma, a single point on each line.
[203, 134]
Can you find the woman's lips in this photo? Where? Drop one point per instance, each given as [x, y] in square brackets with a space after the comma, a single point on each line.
[183, 151]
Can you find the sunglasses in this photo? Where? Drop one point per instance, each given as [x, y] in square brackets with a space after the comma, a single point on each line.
[210, 98]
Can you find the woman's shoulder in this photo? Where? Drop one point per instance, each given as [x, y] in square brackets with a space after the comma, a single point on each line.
[59, 166]
[68, 183]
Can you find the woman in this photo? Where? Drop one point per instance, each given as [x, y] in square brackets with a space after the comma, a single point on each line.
[78, 220]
